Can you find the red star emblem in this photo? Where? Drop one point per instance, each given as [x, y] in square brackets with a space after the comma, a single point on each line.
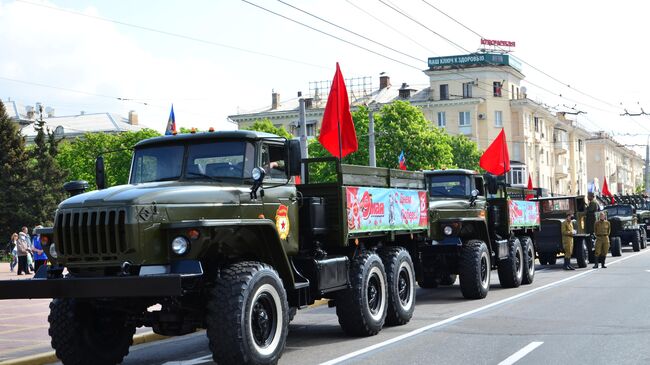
[282, 224]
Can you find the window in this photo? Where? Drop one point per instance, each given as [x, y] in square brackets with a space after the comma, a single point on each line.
[496, 88]
[449, 185]
[463, 119]
[273, 161]
[157, 164]
[516, 175]
[536, 124]
[444, 92]
[311, 129]
[467, 90]
[498, 118]
[442, 119]
[512, 91]
[219, 160]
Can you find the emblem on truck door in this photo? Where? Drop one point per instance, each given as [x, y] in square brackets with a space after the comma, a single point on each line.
[282, 221]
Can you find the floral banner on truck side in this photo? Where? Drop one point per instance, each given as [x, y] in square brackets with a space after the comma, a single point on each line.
[381, 209]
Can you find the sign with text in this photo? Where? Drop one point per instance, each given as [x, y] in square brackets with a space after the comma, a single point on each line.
[483, 59]
[492, 42]
[381, 209]
[523, 213]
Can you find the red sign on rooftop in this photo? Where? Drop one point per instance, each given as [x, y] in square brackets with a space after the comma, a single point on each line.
[492, 42]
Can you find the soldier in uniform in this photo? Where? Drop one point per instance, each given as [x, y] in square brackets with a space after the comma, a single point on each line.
[592, 208]
[567, 241]
[602, 230]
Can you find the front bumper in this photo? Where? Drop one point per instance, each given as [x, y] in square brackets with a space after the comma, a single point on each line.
[169, 284]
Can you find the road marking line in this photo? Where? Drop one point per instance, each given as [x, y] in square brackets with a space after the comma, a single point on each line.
[466, 314]
[521, 353]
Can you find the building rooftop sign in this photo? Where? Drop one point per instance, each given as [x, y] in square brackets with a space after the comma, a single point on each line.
[473, 60]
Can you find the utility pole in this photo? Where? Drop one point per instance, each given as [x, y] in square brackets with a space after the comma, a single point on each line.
[371, 139]
[304, 153]
[646, 180]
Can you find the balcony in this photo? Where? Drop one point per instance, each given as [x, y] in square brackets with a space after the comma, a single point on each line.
[561, 171]
[561, 147]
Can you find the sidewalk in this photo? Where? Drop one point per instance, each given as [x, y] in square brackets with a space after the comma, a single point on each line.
[23, 323]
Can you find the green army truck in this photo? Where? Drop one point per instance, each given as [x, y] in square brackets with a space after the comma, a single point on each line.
[476, 227]
[642, 208]
[548, 239]
[211, 232]
[624, 228]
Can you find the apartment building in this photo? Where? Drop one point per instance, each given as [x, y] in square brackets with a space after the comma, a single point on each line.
[621, 166]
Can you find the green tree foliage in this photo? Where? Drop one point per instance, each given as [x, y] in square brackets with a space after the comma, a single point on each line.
[45, 175]
[78, 157]
[265, 125]
[15, 193]
[465, 152]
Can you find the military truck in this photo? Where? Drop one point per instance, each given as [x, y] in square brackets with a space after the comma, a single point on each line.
[642, 207]
[624, 228]
[212, 229]
[475, 228]
[548, 239]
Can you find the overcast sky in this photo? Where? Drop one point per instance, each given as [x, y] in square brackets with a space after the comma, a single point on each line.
[212, 59]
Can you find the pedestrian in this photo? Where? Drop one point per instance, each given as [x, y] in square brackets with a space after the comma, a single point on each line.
[11, 249]
[592, 209]
[30, 245]
[603, 230]
[567, 241]
[22, 248]
[40, 258]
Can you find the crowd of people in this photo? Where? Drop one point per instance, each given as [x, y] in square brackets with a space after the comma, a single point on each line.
[26, 252]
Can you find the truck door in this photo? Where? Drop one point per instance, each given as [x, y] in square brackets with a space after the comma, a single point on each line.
[280, 199]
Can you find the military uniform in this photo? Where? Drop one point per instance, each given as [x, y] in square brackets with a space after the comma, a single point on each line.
[567, 242]
[592, 208]
[602, 230]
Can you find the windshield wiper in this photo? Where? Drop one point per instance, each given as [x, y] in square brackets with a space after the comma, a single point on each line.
[206, 176]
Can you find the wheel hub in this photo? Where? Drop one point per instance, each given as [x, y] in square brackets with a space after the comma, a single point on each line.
[262, 320]
[403, 286]
[373, 294]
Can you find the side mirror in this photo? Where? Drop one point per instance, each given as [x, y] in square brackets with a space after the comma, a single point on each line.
[491, 184]
[75, 187]
[294, 157]
[100, 176]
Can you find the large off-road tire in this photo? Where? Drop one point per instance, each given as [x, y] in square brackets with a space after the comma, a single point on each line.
[475, 269]
[362, 308]
[83, 333]
[528, 248]
[511, 269]
[247, 315]
[543, 258]
[428, 279]
[644, 238]
[552, 259]
[400, 279]
[615, 246]
[592, 249]
[636, 241]
[447, 279]
[581, 252]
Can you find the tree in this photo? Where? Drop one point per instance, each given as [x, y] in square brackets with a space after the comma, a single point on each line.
[78, 157]
[46, 175]
[265, 125]
[15, 192]
[465, 152]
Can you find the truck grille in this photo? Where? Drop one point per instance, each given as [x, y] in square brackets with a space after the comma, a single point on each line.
[99, 233]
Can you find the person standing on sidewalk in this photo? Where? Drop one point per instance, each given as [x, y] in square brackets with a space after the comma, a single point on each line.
[567, 241]
[602, 229]
[40, 258]
[30, 245]
[11, 248]
[22, 246]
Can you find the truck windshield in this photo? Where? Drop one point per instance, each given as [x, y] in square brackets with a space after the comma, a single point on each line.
[618, 211]
[214, 160]
[448, 185]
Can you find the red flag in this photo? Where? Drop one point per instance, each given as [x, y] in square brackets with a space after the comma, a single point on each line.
[606, 190]
[529, 187]
[337, 132]
[495, 159]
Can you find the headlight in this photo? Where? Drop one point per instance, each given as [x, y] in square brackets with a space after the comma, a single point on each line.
[257, 174]
[180, 245]
[448, 230]
[53, 252]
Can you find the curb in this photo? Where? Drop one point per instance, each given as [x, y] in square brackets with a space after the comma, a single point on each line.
[50, 357]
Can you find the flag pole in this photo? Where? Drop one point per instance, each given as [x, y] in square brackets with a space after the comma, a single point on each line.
[338, 121]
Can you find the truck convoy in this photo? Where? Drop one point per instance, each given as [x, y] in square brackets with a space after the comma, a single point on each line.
[212, 232]
[476, 227]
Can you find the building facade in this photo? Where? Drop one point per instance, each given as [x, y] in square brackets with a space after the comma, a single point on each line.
[608, 159]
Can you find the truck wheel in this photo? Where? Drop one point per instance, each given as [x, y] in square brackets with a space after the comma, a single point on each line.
[543, 258]
[552, 258]
[447, 279]
[581, 252]
[511, 269]
[644, 238]
[591, 245]
[475, 270]
[636, 242]
[400, 278]
[528, 248]
[362, 308]
[247, 315]
[427, 278]
[615, 247]
[83, 334]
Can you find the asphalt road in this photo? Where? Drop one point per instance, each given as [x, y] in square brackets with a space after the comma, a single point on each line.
[581, 317]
